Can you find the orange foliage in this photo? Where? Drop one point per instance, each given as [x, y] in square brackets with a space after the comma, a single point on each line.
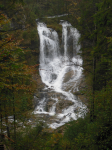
[15, 75]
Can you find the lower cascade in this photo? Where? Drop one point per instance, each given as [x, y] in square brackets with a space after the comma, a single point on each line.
[60, 70]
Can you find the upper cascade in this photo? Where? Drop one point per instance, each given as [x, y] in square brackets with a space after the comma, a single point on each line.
[49, 43]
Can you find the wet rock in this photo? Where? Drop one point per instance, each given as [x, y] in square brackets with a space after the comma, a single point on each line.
[35, 101]
[47, 116]
[76, 110]
[77, 93]
[83, 98]
[82, 86]
[57, 122]
[62, 105]
[68, 76]
[50, 104]
[54, 76]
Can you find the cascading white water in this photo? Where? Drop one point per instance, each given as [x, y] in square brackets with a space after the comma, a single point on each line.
[54, 67]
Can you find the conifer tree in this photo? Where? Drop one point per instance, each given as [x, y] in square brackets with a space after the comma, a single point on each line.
[15, 76]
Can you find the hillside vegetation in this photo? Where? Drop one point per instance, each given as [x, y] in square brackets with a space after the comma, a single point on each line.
[19, 59]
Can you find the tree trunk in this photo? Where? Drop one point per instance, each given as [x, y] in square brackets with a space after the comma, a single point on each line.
[92, 102]
[14, 117]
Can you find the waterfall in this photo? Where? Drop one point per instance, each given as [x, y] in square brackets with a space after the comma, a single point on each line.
[65, 26]
[54, 67]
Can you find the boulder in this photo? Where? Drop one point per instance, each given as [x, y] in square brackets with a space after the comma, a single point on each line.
[68, 75]
[62, 105]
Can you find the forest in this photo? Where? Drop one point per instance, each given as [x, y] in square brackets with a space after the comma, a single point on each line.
[19, 71]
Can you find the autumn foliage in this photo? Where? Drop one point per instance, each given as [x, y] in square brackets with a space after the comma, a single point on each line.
[16, 84]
